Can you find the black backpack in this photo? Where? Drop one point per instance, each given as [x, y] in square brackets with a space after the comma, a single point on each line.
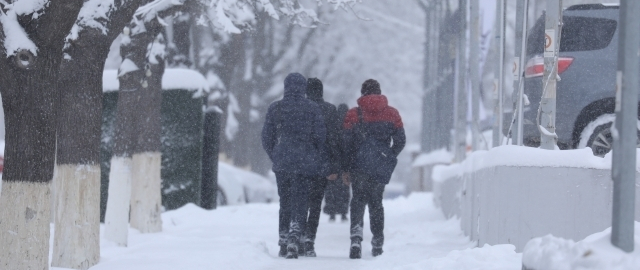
[373, 158]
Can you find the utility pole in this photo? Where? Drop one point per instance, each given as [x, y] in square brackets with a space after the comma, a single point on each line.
[522, 9]
[435, 48]
[427, 118]
[499, 80]
[624, 146]
[474, 62]
[460, 142]
[552, 30]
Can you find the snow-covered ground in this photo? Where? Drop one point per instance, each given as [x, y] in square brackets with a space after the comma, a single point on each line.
[245, 237]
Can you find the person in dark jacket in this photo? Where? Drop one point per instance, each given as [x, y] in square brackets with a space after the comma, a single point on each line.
[332, 144]
[337, 193]
[374, 136]
[294, 136]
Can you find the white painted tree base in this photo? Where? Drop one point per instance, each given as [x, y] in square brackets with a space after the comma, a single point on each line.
[25, 211]
[116, 219]
[146, 199]
[76, 242]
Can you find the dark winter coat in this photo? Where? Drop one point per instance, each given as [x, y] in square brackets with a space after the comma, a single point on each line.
[294, 133]
[331, 121]
[380, 137]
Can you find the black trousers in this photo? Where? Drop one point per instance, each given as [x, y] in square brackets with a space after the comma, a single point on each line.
[336, 198]
[293, 190]
[316, 193]
[367, 191]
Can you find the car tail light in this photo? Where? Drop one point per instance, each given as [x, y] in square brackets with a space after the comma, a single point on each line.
[535, 66]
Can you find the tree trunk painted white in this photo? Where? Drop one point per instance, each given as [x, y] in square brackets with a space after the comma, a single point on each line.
[77, 217]
[24, 225]
[146, 199]
[116, 219]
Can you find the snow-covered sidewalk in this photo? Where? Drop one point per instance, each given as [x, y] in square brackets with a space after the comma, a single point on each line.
[245, 237]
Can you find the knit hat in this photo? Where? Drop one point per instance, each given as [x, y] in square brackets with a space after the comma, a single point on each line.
[314, 88]
[371, 87]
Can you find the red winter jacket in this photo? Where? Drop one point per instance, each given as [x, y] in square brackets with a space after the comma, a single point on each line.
[382, 125]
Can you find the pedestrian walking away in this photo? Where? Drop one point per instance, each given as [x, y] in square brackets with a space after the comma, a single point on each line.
[374, 136]
[337, 192]
[294, 137]
[332, 144]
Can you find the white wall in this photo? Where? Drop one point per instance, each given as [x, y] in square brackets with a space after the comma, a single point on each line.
[511, 204]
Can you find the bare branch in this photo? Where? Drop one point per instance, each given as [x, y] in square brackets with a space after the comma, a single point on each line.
[357, 15]
[423, 4]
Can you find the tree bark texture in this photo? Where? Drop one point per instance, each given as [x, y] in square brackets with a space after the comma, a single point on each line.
[138, 129]
[79, 119]
[145, 192]
[76, 242]
[25, 230]
[29, 100]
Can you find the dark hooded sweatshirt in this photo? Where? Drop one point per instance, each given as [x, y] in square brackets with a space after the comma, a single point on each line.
[331, 122]
[294, 133]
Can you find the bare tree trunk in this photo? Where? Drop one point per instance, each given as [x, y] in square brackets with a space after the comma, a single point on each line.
[136, 162]
[77, 183]
[29, 101]
[146, 199]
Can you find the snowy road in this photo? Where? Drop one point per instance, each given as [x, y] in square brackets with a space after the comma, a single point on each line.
[245, 237]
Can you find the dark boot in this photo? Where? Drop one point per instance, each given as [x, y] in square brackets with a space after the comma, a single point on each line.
[309, 250]
[376, 251]
[356, 249]
[332, 218]
[376, 244]
[283, 251]
[344, 218]
[292, 251]
[301, 248]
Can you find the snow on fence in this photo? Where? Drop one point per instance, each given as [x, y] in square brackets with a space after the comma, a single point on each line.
[512, 194]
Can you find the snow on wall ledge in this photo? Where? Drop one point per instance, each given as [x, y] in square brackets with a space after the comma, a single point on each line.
[510, 194]
[173, 78]
[518, 156]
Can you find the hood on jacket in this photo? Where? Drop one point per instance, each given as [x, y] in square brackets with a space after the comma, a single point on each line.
[295, 85]
[373, 103]
[314, 89]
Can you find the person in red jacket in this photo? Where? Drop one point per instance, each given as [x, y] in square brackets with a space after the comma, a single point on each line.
[373, 137]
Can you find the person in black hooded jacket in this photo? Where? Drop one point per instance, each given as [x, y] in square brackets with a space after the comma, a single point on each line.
[337, 193]
[294, 137]
[332, 144]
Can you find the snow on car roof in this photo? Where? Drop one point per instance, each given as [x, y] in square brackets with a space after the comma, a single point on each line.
[173, 79]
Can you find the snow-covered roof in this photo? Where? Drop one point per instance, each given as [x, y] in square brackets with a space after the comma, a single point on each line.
[173, 79]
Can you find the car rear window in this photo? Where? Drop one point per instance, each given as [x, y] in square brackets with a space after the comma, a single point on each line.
[578, 34]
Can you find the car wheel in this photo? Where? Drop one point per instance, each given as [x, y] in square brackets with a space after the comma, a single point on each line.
[221, 199]
[598, 136]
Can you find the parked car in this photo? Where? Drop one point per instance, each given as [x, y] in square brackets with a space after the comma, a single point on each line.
[587, 69]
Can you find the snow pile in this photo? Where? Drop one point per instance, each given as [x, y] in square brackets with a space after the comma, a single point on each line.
[518, 156]
[499, 257]
[441, 156]
[594, 252]
[256, 187]
[173, 79]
